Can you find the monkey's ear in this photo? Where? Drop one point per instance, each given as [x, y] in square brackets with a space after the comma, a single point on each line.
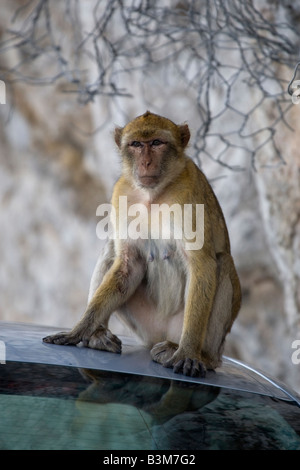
[184, 134]
[118, 135]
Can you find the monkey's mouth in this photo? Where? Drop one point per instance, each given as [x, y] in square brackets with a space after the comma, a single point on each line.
[149, 181]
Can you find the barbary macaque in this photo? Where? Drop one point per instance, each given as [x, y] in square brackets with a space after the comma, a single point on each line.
[179, 299]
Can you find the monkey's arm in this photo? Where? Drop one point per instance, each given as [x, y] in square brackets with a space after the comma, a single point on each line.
[104, 263]
[118, 284]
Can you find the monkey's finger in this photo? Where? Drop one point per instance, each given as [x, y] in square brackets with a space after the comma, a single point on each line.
[113, 345]
[47, 339]
[198, 369]
[112, 342]
[183, 366]
[178, 366]
[60, 338]
[194, 368]
[190, 367]
[110, 336]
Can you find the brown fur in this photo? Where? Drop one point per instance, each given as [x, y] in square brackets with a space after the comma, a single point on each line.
[180, 302]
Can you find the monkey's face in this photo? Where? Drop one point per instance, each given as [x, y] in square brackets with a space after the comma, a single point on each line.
[149, 159]
[151, 148]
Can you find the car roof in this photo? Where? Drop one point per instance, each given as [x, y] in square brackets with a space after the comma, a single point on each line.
[22, 342]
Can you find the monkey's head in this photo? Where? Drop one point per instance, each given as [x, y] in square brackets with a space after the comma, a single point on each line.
[152, 149]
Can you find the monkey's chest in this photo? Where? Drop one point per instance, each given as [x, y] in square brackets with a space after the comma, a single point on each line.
[155, 311]
[165, 278]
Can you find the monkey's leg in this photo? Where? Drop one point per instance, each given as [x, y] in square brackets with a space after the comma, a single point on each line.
[118, 284]
[202, 283]
[225, 309]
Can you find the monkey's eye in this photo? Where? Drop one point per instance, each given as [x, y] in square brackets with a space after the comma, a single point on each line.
[156, 142]
[135, 143]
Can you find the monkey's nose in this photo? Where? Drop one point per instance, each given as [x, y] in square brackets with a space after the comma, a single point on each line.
[146, 162]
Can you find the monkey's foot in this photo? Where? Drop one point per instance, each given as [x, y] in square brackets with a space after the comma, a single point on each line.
[102, 339]
[162, 352]
[186, 365]
[167, 354]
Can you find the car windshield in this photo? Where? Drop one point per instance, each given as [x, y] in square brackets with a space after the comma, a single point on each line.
[58, 407]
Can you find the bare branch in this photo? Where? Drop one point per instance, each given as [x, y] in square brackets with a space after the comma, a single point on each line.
[215, 47]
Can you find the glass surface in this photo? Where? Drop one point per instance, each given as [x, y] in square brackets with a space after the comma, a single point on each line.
[57, 407]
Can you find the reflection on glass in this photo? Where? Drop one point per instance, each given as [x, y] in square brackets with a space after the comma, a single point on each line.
[52, 407]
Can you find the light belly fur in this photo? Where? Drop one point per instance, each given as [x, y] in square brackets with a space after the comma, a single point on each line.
[155, 311]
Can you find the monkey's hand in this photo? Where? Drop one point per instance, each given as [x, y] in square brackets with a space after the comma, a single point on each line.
[102, 339]
[169, 355]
